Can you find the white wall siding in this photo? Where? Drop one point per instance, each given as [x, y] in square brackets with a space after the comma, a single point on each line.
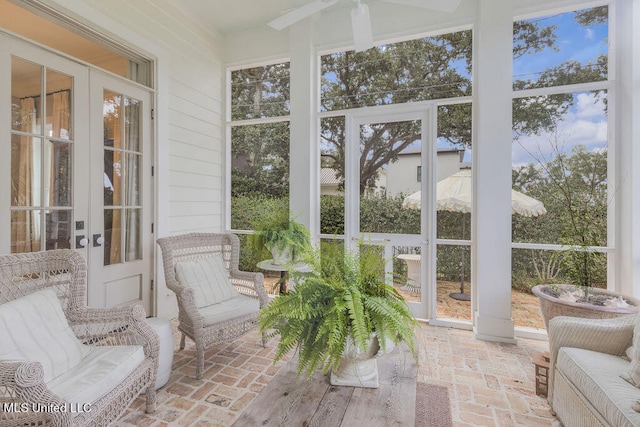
[194, 114]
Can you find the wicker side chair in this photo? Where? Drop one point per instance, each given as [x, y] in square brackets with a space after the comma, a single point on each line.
[119, 333]
[219, 322]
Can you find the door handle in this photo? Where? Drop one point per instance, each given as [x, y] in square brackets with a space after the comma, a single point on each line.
[81, 241]
[98, 240]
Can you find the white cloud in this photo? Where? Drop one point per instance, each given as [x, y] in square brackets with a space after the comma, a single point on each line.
[589, 34]
[585, 124]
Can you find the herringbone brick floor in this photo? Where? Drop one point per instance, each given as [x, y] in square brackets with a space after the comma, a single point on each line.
[490, 384]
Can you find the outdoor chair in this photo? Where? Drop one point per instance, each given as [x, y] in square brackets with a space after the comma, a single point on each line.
[61, 362]
[216, 301]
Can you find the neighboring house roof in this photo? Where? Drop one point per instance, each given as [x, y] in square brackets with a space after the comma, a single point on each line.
[412, 151]
[328, 176]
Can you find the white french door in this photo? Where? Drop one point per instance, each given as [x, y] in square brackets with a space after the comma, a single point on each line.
[375, 180]
[121, 237]
[61, 121]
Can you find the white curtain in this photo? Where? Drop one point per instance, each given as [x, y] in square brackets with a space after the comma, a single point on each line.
[133, 216]
[25, 227]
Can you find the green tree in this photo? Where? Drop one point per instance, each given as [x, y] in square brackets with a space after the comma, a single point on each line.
[430, 68]
[573, 187]
[260, 153]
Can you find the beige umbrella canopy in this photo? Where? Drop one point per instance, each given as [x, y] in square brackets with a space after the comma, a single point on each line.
[454, 195]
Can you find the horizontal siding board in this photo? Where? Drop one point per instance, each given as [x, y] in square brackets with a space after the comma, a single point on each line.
[193, 151]
[179, 209]
[196, 79]
[181, 136]
[204, 223]
[186, 120]
[182, 164]
[189, 194]
[185, 179]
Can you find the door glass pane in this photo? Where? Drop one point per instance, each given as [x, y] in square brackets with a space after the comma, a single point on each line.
[453, 278]
[112, 178]
[41, 157]
[407, 263]
[112, 116]
[332, 143]
[26, 90]
[390, 154]
[58, 229]
[25, 231]
[58, 105]
[26, 158]
[132, 124]
[133, 249]
[133, 179]
[57, 174]
[112, 236]
[122, 178]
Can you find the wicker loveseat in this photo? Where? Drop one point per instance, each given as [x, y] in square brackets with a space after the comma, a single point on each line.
[216, 301]
[590, 365]
[62, 363]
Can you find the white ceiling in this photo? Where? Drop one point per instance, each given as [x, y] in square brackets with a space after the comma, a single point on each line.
[233, 16]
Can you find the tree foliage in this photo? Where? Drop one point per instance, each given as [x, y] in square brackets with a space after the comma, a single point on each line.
[573, 187]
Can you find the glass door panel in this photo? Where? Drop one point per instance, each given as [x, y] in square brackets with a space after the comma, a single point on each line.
[42, 147]
[121, 178]
[122, 131]
[390, 170]
[388, 162]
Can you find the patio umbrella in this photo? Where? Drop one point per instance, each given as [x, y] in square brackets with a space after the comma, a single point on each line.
[454, 195]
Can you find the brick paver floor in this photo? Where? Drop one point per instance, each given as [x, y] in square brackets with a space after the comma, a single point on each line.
[490, 384]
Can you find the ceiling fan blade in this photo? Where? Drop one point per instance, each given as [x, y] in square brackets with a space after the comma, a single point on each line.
[361, 26]
[300, 13]
[439, 5]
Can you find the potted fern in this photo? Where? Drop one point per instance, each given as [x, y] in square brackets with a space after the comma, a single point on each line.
[338, 314]
[281, 236]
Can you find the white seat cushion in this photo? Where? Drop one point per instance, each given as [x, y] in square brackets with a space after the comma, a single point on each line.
[238, 306]
[597, 376]
[209, 279]
[35, 328]
[102, 370]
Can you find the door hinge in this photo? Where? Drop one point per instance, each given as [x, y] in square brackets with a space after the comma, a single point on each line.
[151, 228]
[152, 171]
[151, 284]
[152, 114]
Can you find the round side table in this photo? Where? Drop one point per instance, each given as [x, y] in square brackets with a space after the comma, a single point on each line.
[165, 355]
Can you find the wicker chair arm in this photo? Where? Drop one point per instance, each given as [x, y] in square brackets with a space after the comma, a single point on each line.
[22, 383]
[611, 336]
[253, 280]
[187, 304]
[125, 325]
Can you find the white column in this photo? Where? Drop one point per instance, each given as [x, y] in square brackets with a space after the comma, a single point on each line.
[491, 258]
[624, 264]
[304, 151]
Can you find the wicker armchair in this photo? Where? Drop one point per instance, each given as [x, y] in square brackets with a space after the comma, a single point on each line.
[566, 395]
[204, 325]
[25, 396]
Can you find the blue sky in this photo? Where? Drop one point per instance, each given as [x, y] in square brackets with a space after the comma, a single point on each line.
[575, 42]
[585, 123]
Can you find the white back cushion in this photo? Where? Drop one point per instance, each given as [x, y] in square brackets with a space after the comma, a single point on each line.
[34, 328]
[209, 279]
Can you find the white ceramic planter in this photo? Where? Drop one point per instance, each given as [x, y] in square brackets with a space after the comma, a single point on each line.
[357, 369]
[281, 257]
